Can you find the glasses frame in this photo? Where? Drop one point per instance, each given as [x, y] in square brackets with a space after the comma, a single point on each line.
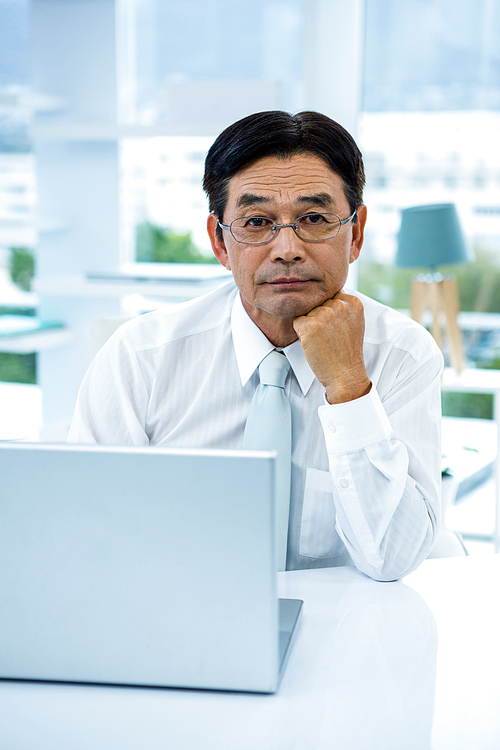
[275, 228]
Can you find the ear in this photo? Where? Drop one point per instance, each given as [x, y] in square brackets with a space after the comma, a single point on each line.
[218, 246]
[358, 233]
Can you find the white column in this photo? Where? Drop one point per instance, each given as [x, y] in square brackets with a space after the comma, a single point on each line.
[74, 60]
[334, 59]
[334, 47]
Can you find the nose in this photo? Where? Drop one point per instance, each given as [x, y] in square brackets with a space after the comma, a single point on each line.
[286, 246]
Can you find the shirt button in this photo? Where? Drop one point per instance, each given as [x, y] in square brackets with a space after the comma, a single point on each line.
[344, 484]
[332, 428]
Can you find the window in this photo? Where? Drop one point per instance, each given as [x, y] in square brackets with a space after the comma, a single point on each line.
[240, 58]
[430, 125]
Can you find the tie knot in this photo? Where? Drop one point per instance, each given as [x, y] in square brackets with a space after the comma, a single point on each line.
[273, 369]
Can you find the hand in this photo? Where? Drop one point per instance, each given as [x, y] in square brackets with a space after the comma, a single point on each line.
[332, 339]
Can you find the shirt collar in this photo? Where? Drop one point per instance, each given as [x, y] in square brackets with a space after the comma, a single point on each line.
[251, 346]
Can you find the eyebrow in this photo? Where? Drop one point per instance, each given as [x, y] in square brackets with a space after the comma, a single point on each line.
[324, 200]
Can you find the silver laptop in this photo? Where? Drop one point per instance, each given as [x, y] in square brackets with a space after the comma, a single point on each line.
[140, 566]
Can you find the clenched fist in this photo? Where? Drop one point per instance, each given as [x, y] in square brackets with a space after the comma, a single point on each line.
[332, 339]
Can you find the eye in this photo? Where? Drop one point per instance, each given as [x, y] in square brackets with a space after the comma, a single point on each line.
[256, 222]
[312, 219]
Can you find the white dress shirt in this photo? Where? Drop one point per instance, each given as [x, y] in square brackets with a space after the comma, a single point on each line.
[365, 474]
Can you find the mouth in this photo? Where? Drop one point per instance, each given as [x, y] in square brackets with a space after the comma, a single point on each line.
[289, 282]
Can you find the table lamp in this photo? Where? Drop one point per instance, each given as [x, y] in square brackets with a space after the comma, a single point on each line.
[431, 236]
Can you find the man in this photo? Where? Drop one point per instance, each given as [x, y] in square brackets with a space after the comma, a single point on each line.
[287, 218]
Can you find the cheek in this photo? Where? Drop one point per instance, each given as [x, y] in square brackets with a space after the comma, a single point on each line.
[241, 272]
[244, 266]
[334, 262]
[344, 257]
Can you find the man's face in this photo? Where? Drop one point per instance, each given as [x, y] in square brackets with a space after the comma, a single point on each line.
[287, 276]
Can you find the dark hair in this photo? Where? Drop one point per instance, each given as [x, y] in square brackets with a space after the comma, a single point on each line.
[281, 134]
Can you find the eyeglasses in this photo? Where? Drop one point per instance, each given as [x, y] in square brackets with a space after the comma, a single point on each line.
[257, 230]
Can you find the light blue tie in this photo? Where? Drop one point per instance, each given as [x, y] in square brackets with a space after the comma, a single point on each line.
[269, 427]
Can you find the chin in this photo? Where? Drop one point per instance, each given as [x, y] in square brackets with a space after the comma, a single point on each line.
[292, 309]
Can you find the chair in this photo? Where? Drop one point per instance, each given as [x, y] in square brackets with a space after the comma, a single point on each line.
[448, 544]
[101, 330]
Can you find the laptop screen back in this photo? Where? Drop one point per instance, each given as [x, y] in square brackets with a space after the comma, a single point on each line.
[138, 566]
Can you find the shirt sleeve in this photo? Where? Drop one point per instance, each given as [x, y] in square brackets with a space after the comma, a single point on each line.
[113, 399]
[385, 464]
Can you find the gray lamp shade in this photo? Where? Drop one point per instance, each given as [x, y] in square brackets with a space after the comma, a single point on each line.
[431, 236]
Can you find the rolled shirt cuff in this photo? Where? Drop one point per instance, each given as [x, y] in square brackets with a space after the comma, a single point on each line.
[353, 425]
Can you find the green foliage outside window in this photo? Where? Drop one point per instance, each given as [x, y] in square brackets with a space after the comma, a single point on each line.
[467, 405]
[17, 368]
[478, 283]
[157, 245]
[479, 291]
[22, 267]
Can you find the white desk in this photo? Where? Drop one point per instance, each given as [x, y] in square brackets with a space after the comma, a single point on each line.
[488, 382]
[410, 665]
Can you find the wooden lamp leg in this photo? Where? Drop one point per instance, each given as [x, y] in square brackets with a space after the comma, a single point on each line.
[442, 297]
[449, 297]
[436, 309]
[419, 300]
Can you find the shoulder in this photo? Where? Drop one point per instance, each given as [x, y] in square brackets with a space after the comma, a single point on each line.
[399, 353]
[173, 322]
[386, 327]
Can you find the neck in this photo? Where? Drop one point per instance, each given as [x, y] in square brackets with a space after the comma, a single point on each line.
[280, 339]
[279, 331]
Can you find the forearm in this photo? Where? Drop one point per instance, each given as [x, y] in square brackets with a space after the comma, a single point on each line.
[386, 481]
[387, 523]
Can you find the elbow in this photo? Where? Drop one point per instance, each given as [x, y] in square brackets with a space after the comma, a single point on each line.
[395, 567]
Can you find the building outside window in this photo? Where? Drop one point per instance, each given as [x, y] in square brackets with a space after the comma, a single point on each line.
[429, 131]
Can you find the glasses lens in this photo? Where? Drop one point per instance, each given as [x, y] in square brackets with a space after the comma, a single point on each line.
[252, 229]
[317, 226]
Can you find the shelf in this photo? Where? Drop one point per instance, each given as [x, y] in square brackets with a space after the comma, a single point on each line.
[121, 285]
[36, 342]
[48, 225]
[23, 334]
